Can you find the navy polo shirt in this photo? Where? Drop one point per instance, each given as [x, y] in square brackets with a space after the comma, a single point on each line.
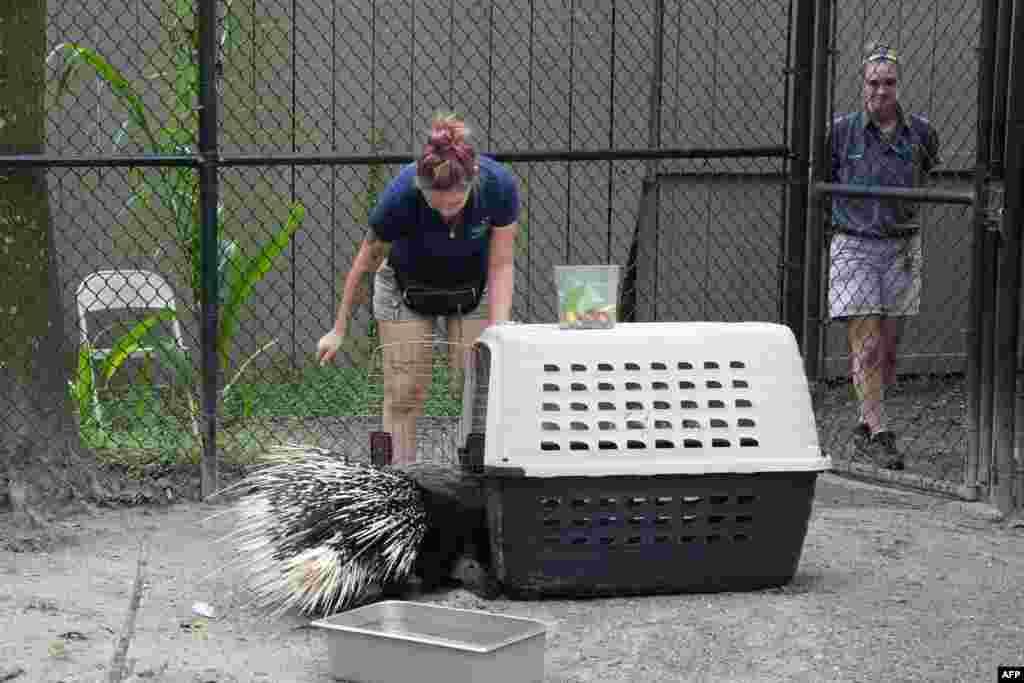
[861, 155]
[422, 246]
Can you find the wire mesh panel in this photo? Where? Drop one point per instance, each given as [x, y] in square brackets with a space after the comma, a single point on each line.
[415, 379]
[896, 303]
[126, 304]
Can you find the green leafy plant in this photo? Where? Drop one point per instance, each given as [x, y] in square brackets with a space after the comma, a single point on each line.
[176, 189]
[81, 385]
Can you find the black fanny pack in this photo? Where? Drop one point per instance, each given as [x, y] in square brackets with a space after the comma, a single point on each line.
[427, 300]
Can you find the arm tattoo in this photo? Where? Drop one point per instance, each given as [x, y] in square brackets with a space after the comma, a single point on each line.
[379, 249]
[361, 296]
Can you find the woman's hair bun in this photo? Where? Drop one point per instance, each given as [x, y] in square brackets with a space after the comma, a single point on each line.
[448, 160]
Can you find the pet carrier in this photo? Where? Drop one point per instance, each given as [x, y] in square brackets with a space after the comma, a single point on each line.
[645, 458]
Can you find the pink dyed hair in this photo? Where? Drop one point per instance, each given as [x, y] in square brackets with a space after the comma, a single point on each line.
[448, 161]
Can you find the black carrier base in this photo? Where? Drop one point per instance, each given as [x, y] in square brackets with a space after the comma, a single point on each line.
[606, 536]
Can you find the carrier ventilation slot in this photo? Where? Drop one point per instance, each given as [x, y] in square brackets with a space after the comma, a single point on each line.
[667, 439]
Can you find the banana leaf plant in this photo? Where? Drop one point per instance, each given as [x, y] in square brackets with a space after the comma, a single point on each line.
[177, 188]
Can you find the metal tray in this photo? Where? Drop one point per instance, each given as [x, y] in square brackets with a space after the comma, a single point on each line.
[396, 640]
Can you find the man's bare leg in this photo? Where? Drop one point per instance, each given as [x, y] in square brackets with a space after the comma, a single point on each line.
[865, 339]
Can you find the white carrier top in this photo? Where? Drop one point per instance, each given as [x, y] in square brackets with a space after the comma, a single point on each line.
[643, 399]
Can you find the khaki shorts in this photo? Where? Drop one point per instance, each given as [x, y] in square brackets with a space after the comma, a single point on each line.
[874, 277]
[389, 307]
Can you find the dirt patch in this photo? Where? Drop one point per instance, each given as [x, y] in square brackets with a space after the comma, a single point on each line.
[891, 586]
[928, 414]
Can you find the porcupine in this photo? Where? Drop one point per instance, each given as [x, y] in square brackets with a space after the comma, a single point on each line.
[318, 533]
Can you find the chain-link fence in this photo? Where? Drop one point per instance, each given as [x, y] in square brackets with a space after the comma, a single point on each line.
[651, 135]
[902, 375]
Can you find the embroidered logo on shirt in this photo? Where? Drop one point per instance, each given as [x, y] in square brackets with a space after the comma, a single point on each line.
[479, 230]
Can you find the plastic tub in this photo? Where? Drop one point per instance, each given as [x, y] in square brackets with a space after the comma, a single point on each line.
[587, 296]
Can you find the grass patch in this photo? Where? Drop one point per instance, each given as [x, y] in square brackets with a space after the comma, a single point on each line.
[143, 424]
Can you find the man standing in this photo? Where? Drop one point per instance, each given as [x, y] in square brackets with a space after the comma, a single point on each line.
[875, 253]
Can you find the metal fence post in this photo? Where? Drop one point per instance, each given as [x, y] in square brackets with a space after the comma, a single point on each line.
[799, 171]
[1008, 301]
[975, 337]
[816, 216]
[990, 248]
[208, 200]
[648, 238]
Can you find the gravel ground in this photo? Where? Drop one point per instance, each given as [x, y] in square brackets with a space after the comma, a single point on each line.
[892, 586]
[928, 415]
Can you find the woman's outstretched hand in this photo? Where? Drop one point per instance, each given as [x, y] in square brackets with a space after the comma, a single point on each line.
[327, 347]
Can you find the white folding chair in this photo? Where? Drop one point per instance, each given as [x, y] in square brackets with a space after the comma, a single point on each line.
[106, 290]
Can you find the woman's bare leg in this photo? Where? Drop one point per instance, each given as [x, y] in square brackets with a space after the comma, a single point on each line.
[406, 358]
[462, 334]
